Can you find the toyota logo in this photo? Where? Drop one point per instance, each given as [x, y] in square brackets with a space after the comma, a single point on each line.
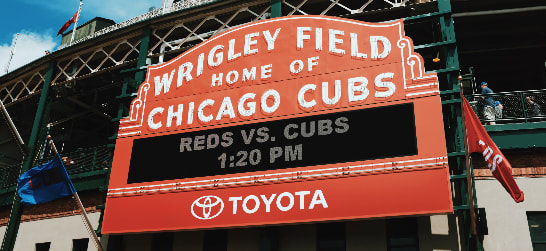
[207, 207]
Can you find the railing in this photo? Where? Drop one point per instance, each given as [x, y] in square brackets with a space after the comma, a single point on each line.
[517, 107]
[77, 162]
[149, 15]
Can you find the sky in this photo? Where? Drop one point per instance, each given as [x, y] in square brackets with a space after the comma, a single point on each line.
[38, 21]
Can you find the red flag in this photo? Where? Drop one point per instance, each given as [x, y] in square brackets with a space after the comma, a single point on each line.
[68, 23]
[479, 141]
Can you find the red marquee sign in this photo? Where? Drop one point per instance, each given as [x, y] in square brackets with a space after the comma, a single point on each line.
[286, 120]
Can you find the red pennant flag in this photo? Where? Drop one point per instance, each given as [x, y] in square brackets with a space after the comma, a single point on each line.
[479, 141]
[68, 23]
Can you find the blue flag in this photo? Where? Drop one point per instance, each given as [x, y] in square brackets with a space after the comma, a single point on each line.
[45, 183]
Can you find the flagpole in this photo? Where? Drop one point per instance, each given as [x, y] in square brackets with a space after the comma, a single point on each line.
[469, 182]
[14, 130]
[76, 22]
[80, 205]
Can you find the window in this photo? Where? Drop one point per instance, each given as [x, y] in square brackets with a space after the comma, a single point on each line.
[215, 240]
[331, 236]
[269, 239]
[162, 241]
[402, 234]
[80, 244]
[43, 246]
[115, 242]
[537, 229]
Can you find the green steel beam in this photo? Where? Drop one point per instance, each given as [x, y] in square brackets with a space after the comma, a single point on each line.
[446, 70]
[450, 97]
[450, 92]
[276, 8]
[522, 139]
[461, 207]
[39, 121]
[516, 127]
[99, 179]
[451, 101]
[142, 54]
[455, 154]
[93, 183]
[428, 15]
[437, 44]
[458, 176]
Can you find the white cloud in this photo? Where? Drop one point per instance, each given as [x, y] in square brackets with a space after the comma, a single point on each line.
[30, 46]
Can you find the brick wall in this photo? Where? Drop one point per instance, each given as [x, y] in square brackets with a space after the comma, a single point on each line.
[531, 163]
[58, 208]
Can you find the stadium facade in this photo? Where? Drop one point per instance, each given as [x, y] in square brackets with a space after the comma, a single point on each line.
[379, 167]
